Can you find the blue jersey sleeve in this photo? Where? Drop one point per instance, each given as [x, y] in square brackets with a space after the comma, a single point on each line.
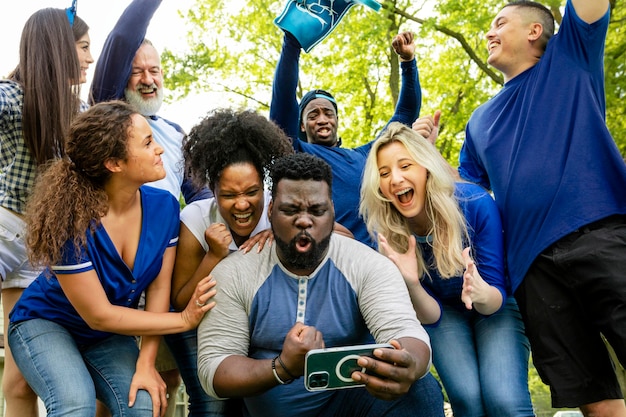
[409, 102]
[284, 105]
[74, 260]
[485, 229]
[470, 168]
[410, 99]
[114, 65]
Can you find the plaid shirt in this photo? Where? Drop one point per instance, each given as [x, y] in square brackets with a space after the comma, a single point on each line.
[17, 169]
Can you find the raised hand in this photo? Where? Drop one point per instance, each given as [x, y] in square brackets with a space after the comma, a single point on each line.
[406, 262]
[476, 292]
[428, 126]
[426, 307]
[404, 46]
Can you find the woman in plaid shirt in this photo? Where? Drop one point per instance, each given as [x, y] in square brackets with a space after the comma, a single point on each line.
[37, 103]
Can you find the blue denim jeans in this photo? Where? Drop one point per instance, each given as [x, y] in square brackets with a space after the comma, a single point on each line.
[68, 378]
[184, 348]
[424, 399]
[483, 362]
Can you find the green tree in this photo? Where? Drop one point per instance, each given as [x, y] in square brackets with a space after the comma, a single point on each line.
[235, 51]
[234, 48]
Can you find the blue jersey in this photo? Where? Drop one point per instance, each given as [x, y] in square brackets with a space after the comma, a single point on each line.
[485, 233]
[542, 145]
[45, 298]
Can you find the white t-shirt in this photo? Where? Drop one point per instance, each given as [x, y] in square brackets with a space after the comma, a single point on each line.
[199, 215]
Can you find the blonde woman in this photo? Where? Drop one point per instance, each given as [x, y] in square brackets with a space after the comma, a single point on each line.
[431, 226]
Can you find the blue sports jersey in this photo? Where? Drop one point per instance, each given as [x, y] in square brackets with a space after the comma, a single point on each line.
[45, 298]
[485, 233]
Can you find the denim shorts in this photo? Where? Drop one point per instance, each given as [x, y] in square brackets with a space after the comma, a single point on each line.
[15, 270]
[574, 294]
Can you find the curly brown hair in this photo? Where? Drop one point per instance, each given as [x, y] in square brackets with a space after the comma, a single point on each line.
[69, 197]
[225, 137]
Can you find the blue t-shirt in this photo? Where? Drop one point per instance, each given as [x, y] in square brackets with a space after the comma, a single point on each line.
[542, 145]
[45, 298]
[347, 164]
[485, 233]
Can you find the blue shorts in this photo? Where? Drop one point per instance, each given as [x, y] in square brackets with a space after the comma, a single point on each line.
[574, 291]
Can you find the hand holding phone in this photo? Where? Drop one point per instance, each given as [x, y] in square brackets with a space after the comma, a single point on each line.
[331, 368]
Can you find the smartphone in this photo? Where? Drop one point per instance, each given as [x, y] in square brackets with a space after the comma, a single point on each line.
[331, 368]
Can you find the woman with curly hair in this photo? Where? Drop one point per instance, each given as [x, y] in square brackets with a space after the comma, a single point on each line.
[103, 238]
[427, 225]
[231, 152]
[38, 100]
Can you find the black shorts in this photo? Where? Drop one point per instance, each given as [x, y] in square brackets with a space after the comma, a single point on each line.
[574, 292]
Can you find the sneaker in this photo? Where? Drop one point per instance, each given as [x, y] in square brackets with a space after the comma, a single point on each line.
[311, 21]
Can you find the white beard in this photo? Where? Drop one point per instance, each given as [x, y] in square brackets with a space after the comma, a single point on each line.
[145, 107]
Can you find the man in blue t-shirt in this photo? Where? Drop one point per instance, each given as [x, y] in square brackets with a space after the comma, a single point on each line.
[313, 123]
[542, 145]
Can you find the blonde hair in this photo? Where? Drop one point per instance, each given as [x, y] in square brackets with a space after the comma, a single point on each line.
[448, 228]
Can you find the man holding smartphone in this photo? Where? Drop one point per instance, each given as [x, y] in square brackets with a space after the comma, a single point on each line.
[313, 289]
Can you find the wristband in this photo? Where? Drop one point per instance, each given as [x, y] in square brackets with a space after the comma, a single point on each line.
[280, 361]
[280, 381]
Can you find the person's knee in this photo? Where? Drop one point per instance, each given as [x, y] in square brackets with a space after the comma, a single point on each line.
[71, 399]
[72, 406]
[15, 387]
[142, 406]
[604, 408]
[426, 396]
[511, 404]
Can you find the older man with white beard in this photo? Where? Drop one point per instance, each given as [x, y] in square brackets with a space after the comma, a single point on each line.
[129, 68]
